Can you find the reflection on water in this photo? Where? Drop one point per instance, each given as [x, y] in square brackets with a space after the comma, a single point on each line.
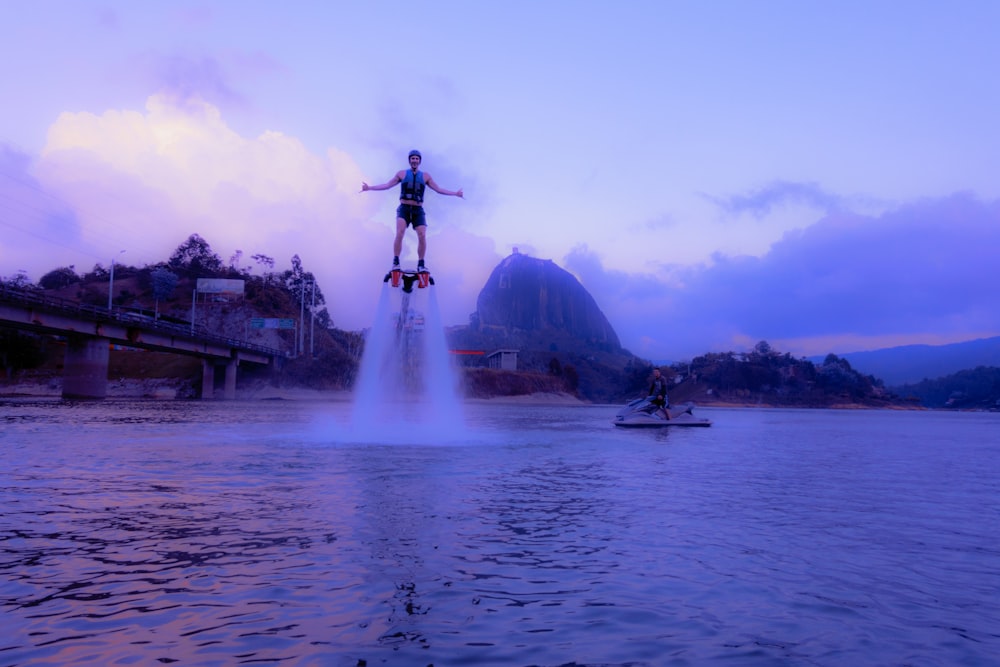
[275, 533]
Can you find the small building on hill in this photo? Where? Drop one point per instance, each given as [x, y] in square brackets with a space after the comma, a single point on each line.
[505, 360]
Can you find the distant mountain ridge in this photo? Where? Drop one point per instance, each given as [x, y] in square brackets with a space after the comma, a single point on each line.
[909, 364]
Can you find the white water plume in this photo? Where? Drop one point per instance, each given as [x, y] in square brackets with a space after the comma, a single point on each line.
[406, 379]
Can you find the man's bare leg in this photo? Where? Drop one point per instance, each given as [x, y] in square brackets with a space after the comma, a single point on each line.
[421, 242]
[397, 244]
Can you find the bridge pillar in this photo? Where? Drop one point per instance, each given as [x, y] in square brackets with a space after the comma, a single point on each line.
[85, 371]
[207, 378]
[230, 390]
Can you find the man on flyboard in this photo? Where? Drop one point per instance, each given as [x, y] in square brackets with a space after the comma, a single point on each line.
[411, 206]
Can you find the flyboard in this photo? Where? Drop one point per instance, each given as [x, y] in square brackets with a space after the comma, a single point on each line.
[406, 279]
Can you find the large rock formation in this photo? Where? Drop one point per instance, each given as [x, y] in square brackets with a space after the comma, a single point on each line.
[533, 296]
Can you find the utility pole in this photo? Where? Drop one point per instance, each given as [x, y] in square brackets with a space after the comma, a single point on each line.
[302, 318]
[312, 323]
[111, 280]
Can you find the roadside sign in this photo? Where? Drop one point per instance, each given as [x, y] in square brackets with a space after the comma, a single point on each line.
[271, 323]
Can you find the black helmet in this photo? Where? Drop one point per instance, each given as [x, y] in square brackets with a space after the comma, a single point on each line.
[415, 152]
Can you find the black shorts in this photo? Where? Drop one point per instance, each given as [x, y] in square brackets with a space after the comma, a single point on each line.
[413, 215]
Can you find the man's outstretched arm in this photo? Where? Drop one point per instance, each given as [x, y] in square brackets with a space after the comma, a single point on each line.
[432, 184]
[384, 186]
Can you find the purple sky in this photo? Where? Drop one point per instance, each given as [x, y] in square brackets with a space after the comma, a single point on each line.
[818, 175]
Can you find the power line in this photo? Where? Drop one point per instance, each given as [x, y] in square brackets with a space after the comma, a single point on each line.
[33, 211]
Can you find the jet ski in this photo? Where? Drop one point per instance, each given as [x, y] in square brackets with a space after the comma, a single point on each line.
[642, 413]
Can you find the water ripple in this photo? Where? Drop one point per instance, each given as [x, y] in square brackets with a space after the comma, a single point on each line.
[537, 537]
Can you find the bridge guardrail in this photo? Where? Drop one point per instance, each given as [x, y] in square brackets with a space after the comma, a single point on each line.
[99, 314]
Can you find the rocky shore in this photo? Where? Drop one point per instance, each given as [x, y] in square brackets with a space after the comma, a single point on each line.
[173, 389]
[161, 388]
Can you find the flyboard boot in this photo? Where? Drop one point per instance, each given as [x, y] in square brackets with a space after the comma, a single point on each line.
[395, 273]
[407, 279]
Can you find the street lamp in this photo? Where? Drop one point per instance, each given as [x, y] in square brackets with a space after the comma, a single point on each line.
[111, 280]
[302, 315]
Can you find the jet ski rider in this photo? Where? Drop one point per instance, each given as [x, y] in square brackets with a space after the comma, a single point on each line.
[658, 393]
[411, 206]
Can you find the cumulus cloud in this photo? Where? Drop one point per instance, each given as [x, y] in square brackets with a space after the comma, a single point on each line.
[144, 181]
[922, 272]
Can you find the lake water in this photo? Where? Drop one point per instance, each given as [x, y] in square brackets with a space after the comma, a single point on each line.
[272, 533]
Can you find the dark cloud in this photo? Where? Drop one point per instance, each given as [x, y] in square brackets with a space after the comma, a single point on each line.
[923, 267]
[183, 78]
[776, 194]
[108, 19]
[927, 268]
[219, 80]
[664, 221]
[194, 17]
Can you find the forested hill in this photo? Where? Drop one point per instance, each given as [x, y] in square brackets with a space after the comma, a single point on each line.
[564, 342]
[974, 389]
[163, 290]
[765, 376]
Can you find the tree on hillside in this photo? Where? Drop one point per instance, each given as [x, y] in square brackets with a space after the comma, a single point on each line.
[300, 282]
[978, 388]
[267, 266]
[98, 273]
[19, 280]
[762, 349]
[234, 261]
[836, 377]
[263, 260]
[295, 279]
[194, 258]
[64, 276]
[833, 360]
[163, 282]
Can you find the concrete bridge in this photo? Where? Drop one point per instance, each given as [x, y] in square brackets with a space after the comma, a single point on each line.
[90, 331]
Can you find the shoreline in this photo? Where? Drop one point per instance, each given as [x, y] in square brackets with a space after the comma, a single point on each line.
[166, 390]
[172, 390]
